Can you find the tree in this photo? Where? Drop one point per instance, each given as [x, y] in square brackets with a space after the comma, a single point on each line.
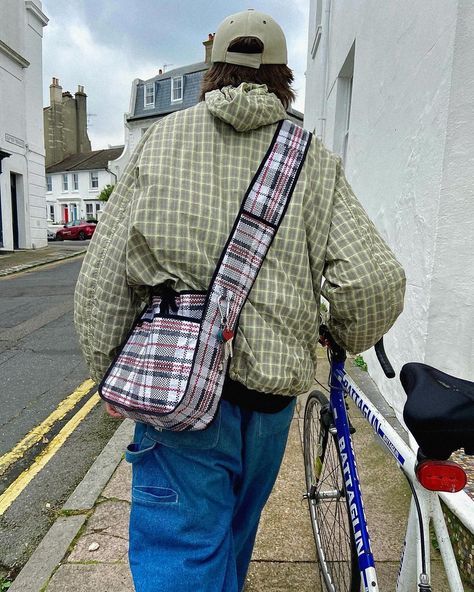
[106, 192]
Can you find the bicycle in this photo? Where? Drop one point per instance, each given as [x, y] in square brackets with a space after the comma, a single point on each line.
[346, 562]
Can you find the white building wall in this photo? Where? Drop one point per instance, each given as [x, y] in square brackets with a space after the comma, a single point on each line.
[34, 126]
[85, 194]
[21, 122]
[451, 314]
[404, 138]
[133, 131]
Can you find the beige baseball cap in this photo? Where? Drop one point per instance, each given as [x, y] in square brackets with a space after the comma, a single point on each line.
[250, 23]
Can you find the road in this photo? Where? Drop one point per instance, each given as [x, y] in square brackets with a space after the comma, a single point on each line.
[40, 367]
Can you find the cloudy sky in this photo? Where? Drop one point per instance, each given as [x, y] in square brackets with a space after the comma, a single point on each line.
[105, 44]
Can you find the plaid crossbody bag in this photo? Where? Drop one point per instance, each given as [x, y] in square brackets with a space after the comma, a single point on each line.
[171, 369]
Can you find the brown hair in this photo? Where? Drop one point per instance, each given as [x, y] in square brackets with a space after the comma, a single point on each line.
[277, 77]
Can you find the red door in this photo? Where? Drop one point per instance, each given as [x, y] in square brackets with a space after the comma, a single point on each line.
[65, 214]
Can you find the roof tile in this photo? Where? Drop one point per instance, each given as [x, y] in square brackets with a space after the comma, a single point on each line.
[85, 161]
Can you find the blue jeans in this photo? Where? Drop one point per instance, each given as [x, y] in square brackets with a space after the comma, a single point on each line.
[197, 499]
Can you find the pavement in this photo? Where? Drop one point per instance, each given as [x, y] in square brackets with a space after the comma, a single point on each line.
[12, 262]
[86, 548]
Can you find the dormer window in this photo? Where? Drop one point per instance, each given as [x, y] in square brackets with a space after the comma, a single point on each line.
[176, 89]
[149, 95]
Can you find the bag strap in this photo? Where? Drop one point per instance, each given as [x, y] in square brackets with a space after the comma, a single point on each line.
[261, 213]
[263, 208]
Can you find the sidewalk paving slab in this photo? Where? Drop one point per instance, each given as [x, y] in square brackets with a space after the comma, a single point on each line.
[103, 577]
[107, 528]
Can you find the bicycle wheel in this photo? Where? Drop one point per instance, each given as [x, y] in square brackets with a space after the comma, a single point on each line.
[327, 500]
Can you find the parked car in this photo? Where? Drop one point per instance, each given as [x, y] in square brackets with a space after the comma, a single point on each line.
[52, 234]
[78, 229]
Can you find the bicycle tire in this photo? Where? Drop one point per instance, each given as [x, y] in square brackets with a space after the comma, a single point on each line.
[327, 500]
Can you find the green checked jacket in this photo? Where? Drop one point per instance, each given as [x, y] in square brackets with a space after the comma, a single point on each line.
[170, 216]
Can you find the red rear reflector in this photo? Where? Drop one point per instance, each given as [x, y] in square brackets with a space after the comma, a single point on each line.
[437, 475]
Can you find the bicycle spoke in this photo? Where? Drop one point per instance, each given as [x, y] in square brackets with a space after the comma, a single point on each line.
[328, 508]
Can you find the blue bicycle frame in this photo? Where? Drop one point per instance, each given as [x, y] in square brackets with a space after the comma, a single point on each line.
[337, 406]
[413, 567]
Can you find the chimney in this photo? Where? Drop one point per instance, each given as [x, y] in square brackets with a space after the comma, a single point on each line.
[208, 46]
[83, 143]
[55, 92]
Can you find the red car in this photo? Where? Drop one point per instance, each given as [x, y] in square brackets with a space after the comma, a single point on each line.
[78, 229]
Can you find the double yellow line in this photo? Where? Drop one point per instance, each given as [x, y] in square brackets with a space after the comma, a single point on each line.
[37, 434]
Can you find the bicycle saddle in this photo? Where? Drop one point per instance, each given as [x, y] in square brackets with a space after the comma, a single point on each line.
[439, 411]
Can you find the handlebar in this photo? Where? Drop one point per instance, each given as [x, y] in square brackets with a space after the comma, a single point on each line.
[383, 360]
[326, 339]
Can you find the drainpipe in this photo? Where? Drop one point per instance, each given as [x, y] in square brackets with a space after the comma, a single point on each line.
[109, 171]
[325, 70]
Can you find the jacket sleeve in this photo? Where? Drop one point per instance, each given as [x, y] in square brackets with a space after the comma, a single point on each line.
[364, 283]
[105, 306]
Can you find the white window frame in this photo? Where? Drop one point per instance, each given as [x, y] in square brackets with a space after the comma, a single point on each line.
[49, 184]
[94, 175]
[174, 86]
[51, 212]
[345, 140]
[149, 99]
[344, 87]
[343, 116]
[89, 206]
[65, 182]
[318, 28]
[75, 181]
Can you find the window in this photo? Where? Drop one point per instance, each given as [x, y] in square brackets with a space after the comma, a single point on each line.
[75, 182]
[92, 208]
[177, 89]
[65, 183]
[49, 183]
[51, 212]
[94, 179]
[149, 94]
[345, 139]
[317, 27]
[343, 106]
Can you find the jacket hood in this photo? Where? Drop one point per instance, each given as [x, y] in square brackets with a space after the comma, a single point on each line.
[246, 107]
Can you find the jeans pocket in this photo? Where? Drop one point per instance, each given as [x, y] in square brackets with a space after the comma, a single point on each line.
[275, 423]
[140, 447]
[146, 494]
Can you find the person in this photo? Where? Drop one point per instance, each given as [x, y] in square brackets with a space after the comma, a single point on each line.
[197, 496]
